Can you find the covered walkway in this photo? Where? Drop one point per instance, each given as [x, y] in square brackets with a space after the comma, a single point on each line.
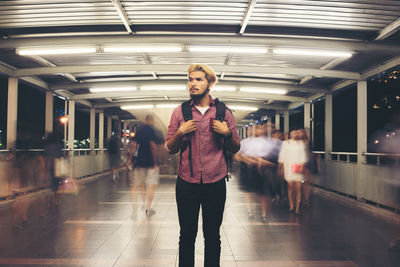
[99, 228]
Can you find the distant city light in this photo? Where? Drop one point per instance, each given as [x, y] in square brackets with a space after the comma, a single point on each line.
[375, 106]
[64, 119]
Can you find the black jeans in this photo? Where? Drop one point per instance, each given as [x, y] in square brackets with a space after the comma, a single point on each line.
[189, 198]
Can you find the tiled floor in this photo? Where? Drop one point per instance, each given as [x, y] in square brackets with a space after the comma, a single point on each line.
[99, 228]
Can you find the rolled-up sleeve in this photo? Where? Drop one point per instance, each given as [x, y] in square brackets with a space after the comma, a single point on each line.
[230, 120]
[173, 124]
[172, 127]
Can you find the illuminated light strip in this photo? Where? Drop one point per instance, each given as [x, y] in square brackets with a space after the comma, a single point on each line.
[115, 89]
[163, 88]
[54, 51]
[318, 53]
[227, 49]
[137, 107]
[224, 88]
[263, 90]
[142, 49]
[167, 105]
[245, 108]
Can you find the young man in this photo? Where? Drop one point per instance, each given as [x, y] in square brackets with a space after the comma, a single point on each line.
[201, 174]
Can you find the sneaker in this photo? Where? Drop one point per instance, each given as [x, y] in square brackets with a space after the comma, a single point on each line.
[264, 219]
[150, 212]
[250, 215]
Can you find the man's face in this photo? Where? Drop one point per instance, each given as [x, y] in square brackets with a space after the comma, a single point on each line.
[198, 84]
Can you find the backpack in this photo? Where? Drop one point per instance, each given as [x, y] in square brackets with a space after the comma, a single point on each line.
[187, 115]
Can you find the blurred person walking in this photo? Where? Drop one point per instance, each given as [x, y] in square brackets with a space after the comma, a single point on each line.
[248, 164]
[292, 159]
[310, 167]
[202, 169]
[114, 155]
[52, 153]
[145, 174]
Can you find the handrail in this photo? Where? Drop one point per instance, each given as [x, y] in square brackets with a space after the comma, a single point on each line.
[381, 154]
[343, 153]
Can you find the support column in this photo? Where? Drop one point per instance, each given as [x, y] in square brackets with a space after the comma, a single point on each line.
[101, 131]
[109, 127]
[277, 121]
[125, 130]
[65, 123]
[92, 128]
[361, 135]
[119, 127]
[307, 115]
[286, 121]
[12, 110]
[328, 124]
[312, 133]
[71, 125]
[49, 114]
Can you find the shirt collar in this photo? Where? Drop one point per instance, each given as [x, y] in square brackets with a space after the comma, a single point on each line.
[212, 101]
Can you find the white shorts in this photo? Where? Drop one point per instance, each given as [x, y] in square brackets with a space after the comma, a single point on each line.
[141, 175]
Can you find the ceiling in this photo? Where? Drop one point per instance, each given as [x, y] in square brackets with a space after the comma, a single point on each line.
[252, 45]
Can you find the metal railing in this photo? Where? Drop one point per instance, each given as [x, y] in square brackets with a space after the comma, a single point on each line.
[382, 159]
[375, 179]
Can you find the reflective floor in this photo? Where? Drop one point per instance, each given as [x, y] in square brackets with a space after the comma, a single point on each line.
[99, 227]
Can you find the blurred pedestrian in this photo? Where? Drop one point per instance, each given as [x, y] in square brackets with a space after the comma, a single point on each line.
[145, 174]
[292, 159]
[114, 155]
[52, 153]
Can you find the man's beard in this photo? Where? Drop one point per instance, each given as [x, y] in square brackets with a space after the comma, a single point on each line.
[198, 97]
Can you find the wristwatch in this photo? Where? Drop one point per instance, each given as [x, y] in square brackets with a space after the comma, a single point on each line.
[228, 136]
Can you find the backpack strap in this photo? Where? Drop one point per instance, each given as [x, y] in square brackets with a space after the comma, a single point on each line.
[187, 115]
[187, 111]
[220, 116]
[220, 106]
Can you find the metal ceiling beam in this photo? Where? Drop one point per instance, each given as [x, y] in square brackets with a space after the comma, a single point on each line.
[5, 69]
[249, 11]
[10, 71]
[45, 62]
[383, 46]
[391, 63]
[388, 30]
[327, 66]
[184, 94]
[36, 82]
[68, 95]
[183, 68]
[122, 14]
[288, 87]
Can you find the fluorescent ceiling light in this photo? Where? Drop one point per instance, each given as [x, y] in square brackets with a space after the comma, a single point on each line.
[55, 51]
[263, 90]
[137, 107]
[143, 49]
[245, 108]
[318, 53]
[161, 87]
[227, 49]
[167, 105]
[224, 88]
[112, 89]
